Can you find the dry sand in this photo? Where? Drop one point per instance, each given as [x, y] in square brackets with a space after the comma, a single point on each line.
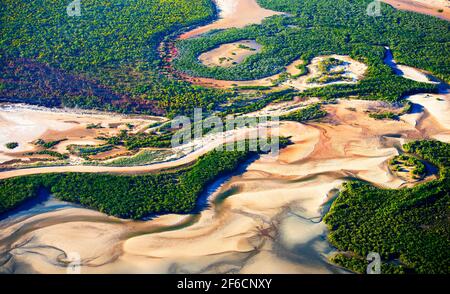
[234, 14]
[230, 54]
[435, 121]
[430, 7]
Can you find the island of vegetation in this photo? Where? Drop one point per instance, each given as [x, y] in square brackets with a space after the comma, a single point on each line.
[310, 112]
[12, 145]
[100, 60]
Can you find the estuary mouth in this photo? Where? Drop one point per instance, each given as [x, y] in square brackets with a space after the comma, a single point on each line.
[359, 115]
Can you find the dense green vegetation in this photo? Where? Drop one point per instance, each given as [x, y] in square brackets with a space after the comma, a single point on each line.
[320, 27]
[128, 196]
[408, 227]
[143, 157]
[384, 115]
[359, 265]
[107, 58]
[107, 33]
[12, 145]
[310, 112]
[125, 196]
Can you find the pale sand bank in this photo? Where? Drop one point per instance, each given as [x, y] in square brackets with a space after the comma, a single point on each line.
[24, 124]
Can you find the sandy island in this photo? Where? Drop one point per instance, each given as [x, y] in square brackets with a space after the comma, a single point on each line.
[352, 69]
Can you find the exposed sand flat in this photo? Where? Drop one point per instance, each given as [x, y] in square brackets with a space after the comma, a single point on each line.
[414, 74]
[230, 54]
[430, 7]
[191, 150]
[234, 14]
[24, 124]
[269, 223]
[405, 71]
[437, 105]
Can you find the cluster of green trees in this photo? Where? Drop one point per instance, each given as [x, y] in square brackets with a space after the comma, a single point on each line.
[321, 27]
[12, 145]
[328, 72]
[328, 63]
[49, 144]
[416, 167]
[128, 196]
[250, 105]
[94, 126]
[108, 57]
[51, 153]
[310, 112]
[359, 265]
[384, 115]
[408, 227]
